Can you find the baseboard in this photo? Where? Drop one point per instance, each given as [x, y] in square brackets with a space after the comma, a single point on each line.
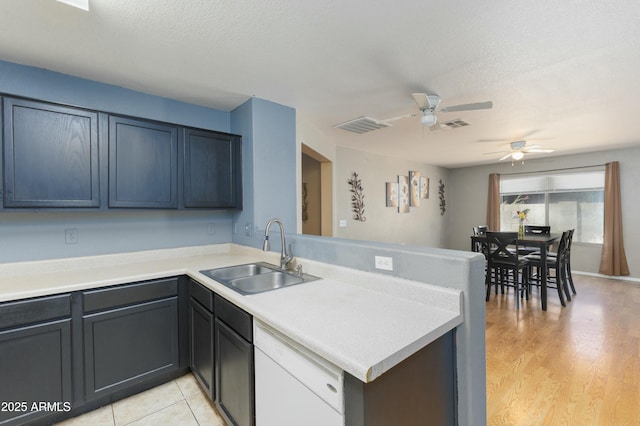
[611, 277]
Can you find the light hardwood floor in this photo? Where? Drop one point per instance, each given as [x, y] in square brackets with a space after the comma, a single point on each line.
[577, 365]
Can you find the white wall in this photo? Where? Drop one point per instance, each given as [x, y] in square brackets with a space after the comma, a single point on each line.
[423, 225]
[468, 201]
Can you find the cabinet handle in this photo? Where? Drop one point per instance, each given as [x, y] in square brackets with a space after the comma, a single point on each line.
[332, 388]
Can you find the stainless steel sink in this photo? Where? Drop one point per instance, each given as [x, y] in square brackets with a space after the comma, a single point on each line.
[232, 272]
[255, 278]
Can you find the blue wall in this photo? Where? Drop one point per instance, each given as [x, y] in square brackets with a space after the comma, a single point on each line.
[269, 160]
[50, 86]
[33, 235]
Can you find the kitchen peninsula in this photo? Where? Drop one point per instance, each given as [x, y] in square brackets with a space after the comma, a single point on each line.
[365, 324]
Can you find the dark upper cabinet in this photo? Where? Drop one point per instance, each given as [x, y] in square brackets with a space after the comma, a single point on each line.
[50, 155]
[143, 164]
[59, 157]
[212, 170]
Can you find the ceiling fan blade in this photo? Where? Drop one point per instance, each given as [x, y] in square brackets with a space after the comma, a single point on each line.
[505, 157]
[539, 151]
[468, 107]
[421, 100]
[400, 117]
[495, 152]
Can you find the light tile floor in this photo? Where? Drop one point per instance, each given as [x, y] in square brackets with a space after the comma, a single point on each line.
[179, 402]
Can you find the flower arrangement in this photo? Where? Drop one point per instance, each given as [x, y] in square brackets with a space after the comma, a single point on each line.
[522, 214]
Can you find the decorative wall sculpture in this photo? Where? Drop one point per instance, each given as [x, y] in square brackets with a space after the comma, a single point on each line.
[442, 200]
[305, 203]
[357, 197]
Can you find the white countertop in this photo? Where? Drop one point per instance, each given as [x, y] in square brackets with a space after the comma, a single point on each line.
[362, 322]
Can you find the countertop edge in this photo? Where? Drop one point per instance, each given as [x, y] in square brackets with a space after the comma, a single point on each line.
[145, 266]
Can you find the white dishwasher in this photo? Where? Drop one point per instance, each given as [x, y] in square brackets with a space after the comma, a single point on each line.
[294, 386]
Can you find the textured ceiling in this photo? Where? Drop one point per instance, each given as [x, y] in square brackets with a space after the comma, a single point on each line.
[563, 73]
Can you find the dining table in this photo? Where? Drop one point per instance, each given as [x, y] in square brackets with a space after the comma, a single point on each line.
[539, 241]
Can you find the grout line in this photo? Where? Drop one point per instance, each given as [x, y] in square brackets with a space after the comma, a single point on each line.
[164, 408]
[113, 415]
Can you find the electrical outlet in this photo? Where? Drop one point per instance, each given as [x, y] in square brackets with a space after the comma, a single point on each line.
[342, 223]
[248, 229]
[211, 228]
[71, 236]
[384, 263]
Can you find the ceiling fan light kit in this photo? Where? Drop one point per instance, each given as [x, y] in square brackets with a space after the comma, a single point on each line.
[518, 150]
[428, 119]
[518, 155]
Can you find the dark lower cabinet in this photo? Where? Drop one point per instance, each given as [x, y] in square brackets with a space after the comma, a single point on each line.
[66, 354]
[133, 336]
[128, 345]
[222, 354]
[234, 376]
[202, 346]
[35, 359]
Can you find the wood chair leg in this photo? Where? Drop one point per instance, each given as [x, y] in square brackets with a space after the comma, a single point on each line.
[569, 277]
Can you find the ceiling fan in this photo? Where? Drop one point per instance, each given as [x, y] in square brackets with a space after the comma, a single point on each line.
[518, 149]
[427, 104]
[430, 104]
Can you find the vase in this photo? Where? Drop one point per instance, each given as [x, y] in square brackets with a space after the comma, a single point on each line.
[521, 229]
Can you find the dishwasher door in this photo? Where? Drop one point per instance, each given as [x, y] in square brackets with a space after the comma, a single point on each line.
[293, 386]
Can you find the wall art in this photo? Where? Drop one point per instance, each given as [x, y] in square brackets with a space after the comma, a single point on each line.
[357, 197]
[424, 187]
[442, 200]
[407, 191]
[414, 189]
[403, 194]
[305, 203]
[392, 194]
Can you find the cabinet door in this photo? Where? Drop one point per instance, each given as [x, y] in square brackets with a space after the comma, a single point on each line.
[212, 170]
[234, 376]
[129, 345]
[143, 164]
[35, 367]
[202, 346]
[50, 155]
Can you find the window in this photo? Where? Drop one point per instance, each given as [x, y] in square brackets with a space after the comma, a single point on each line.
[561, 200]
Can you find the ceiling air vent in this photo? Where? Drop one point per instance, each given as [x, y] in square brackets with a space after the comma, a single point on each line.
[453, 124]
[362, 125]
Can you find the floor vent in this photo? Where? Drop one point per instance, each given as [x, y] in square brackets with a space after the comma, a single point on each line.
[362, 125]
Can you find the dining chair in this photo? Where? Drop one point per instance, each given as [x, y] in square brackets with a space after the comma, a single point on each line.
[479, 230]
[501, 262]
[557, 264]
[537, 230]
[568, 261]
[533, 230]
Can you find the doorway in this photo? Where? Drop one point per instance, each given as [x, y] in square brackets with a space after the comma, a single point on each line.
[316, 193]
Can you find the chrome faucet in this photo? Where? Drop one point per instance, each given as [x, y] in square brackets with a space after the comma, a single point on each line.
[284, 256]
